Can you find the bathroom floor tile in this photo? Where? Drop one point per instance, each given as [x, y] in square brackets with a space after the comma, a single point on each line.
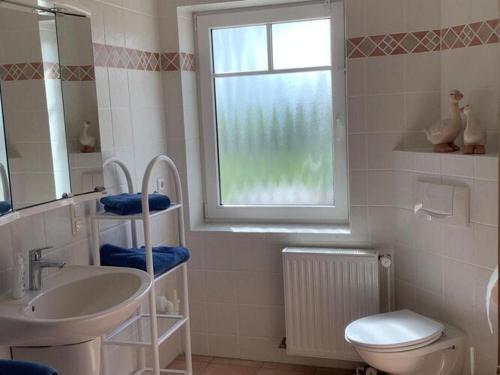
[290, 368]
[202, 358]
[198, 366]
[332, 371]
[270, 371]
[205, 365]
[229, 369]
[237, 362]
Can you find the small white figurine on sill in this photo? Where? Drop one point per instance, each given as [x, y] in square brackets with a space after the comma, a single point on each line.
[443, 133]
[87, 141]
[474, 134]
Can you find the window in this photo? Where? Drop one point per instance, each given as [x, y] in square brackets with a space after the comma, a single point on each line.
[272, 90]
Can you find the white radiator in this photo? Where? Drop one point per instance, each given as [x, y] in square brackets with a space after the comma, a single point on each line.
[325, 290]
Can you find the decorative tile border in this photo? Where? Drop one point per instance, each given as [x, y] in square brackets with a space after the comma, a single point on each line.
[77, 73]
[473, 34]
[478, 33]
[128, 58]
[173, 61]
[29, 71]
[51, 71]
[104, 56]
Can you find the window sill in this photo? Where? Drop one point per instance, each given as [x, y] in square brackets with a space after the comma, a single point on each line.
[344, 230]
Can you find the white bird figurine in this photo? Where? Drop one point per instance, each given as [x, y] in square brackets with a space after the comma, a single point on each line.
[474, 133]
[443, 133]
[86, 141]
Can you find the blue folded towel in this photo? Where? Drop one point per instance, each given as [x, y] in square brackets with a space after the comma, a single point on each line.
[164, 257]
[130, 204]
[8, 367]
[5, 207]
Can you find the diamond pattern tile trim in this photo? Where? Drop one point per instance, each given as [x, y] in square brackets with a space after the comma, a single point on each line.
[127, 58]
[461, 36]
[104, 56]
[38, 70]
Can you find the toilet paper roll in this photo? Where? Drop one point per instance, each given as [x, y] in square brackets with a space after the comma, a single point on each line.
[492, 295]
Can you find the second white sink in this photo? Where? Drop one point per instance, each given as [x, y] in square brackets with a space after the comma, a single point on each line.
[77, 304]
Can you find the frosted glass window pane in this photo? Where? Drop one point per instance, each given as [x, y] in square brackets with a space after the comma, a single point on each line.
[239, 49]
[275, 139]
[301, 44]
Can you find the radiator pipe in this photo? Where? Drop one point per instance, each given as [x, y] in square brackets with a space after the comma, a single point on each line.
[386, 262]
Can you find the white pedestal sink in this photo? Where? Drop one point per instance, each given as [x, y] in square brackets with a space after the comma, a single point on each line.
[76, 304]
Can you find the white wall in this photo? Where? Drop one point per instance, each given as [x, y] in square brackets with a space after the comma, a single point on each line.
[441, 270]
[132, 117]
[236, 278]
[474, 70]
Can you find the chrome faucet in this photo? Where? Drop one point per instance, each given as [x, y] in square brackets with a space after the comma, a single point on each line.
[37, 265]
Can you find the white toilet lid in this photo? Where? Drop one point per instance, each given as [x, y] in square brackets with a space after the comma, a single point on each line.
[392, 330]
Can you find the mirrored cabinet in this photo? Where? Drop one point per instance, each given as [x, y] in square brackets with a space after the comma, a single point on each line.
[49, 128]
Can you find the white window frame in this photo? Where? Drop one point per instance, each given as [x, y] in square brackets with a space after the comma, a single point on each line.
[338, 213]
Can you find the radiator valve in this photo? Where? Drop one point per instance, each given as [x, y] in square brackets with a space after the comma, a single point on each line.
[283, 343]
[385, 261]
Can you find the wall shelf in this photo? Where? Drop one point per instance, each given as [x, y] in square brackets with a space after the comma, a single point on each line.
[450, 165]
[41, 208]
[428, 150]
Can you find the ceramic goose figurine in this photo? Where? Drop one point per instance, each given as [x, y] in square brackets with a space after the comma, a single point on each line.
[443, 133]
[474, 134]
[86, 141]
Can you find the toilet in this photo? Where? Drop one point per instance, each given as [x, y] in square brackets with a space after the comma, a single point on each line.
[406, 343]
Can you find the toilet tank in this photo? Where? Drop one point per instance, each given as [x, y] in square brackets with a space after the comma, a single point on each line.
[325, 290]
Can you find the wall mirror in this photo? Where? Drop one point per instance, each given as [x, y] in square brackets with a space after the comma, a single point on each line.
[49, 130]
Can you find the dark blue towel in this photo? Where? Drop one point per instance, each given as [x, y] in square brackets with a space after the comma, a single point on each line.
[5, 207]
[164, 257]
[24, 368]
[130, 204]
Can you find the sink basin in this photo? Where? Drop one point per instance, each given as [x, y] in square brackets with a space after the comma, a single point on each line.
[77, 304]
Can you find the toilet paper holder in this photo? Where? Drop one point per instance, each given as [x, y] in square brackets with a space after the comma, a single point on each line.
[444, 202]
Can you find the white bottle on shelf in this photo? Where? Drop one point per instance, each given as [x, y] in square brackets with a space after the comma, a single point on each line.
[18, 287]
[164, 306]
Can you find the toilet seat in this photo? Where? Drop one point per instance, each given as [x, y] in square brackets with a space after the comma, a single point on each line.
[393, 332]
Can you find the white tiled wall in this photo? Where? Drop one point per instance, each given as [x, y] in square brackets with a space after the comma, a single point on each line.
[474, 70]
[131, 103]
[79, 96]
[442, 270]
[235, 278]
[479, 84]
[241, 273]
[132, 116]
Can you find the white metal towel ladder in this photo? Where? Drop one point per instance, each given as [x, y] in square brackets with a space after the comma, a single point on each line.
[182, 320]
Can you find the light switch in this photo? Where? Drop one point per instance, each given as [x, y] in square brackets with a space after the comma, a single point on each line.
[77, 218]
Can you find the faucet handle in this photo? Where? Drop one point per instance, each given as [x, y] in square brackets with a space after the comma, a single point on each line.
[36, 254]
